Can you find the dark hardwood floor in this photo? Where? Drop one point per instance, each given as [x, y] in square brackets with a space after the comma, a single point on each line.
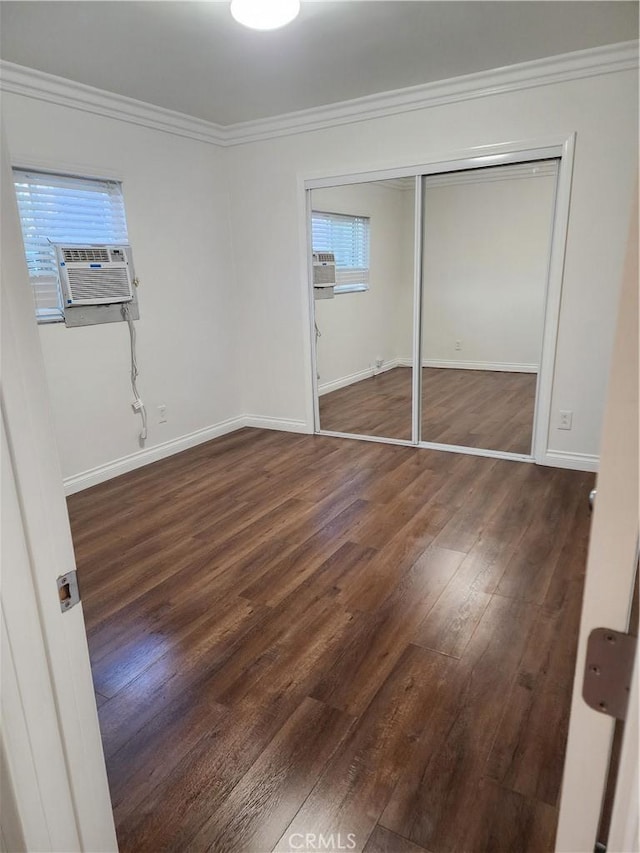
[472, 408]
[294, 636]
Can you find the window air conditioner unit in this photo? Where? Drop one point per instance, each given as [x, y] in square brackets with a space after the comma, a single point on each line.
[324, 269]
[324, 274]
[94, 274]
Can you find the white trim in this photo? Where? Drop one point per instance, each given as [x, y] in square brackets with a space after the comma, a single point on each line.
[476, 451]
[282, 424]
[30, 83]
[519, 171]
[20, 80]
[431, 445]
[572, 461]
[86, 479]
[553, 295]
[344, 381]
[67, 689]
[101, 473]
[625, 819]
[476, 157]
[502, 366]
[63, 167]
[369, 372]
[358, 376]
[35, 761]
[611, 568]
[416, 333]
[309, 302]
[396, 184]
[379, 439]
[512, 78]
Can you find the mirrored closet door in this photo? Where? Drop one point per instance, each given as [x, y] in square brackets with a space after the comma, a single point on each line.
[486, 245]
[439, 343]
[364, 320]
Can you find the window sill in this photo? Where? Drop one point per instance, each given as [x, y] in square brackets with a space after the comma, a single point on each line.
[45, 320]
[350, 288]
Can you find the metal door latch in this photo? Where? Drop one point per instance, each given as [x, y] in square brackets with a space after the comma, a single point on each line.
[608, 670]
[68, 590]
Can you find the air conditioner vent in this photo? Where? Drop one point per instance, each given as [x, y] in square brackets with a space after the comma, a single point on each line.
[103, 284]
[94, 274]
[86, 255]
[324, 275]
[324, 269]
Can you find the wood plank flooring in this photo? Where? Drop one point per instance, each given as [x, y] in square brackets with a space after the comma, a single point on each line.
[299, 636]
[471, 408]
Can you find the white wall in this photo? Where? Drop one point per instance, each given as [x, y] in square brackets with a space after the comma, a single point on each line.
[359, 327]
[268, 175]
[486, 256]
[176, 200]
[237, 339]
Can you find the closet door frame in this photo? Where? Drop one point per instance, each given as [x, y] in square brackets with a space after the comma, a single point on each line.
[509, 153]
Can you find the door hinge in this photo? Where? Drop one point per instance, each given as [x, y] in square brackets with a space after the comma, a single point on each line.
[608, 670]
[68, 590]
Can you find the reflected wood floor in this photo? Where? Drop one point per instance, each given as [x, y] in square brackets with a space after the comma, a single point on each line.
[472, 408]
[301, 634]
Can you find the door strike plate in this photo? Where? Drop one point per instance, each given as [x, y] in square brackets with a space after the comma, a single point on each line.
[68, 590]
[608, 670]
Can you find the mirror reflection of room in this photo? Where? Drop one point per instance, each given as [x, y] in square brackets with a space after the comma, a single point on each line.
[364, 324]
[486, 245]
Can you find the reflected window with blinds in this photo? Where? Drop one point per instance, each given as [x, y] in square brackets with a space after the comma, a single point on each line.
[63, 209]
[348, 238]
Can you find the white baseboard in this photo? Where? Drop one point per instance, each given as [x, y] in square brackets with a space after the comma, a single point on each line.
[506, 367]
[573, 461]
[352, 378]
[283, 424]
[86, 479]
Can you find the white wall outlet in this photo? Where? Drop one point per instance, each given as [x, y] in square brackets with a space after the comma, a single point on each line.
[162, 413]
[565, 420]
[379, 362]
[458, 346]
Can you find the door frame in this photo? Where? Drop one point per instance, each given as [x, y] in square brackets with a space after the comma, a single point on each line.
[51, 746]
[561, 148]
[608, 594]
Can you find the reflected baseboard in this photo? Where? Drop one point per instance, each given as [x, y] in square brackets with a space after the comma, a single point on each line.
[499, 366]
[352, 378]
[368, 372]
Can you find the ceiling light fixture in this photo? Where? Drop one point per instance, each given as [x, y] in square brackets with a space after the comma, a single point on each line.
[264, 14]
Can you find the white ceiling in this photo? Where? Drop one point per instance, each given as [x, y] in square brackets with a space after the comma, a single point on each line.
[194, 58]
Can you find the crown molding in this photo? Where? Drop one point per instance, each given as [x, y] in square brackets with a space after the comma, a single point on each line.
[20, 80]
[510, 78]
[398, 184]
[490, 175]
[31, 83]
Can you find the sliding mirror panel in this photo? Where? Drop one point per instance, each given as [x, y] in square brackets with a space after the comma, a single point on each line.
[364, 324]
[486, 246]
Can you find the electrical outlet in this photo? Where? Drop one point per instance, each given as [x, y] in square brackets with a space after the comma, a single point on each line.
[379, 362]
[162, 413]
[458, 346]
[566, 420]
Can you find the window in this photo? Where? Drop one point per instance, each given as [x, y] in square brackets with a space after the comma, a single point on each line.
[348, 238]
[60, 208]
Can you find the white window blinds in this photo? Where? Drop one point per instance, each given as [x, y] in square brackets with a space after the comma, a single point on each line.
[348, 238]
[59, 208]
